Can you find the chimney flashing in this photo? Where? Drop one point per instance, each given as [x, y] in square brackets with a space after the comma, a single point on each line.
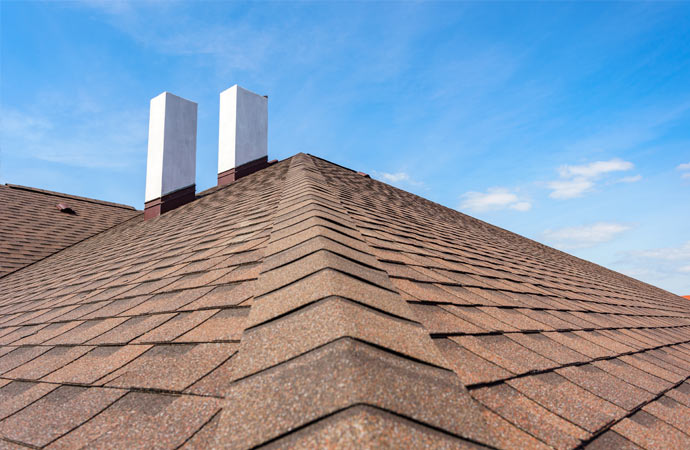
[236, 173]
[168, 202]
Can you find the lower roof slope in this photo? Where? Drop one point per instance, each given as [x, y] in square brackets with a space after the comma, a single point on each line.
[32, 227]
[308, 305]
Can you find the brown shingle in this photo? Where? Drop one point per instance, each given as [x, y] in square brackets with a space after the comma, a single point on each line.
[649, 432]
[437, 320]
[308, 392]
[633, 375]
[606, 386]
[567, 400]
[169, 301]
[324, 322]
[96, 364]
[130, 328]
[364, 427]
[225, 325]
[611, 439]
[223, 296]
[505, 353]
[478, 317]
[671, 412]
[49, 361]
[142, 420]
[529, 416]
[36, 228]
[16, 395]
[579, 344]
[176, 326]
[681, 393]
[322, 290]
[16, 356]
[85, 331]
[539, 343]
[471, 368]
[216, 382]
[182, 364]
[654, 367]
[57, 413]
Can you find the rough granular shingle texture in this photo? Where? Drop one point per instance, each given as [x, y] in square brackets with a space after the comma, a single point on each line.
[307, 305]
[32, 227]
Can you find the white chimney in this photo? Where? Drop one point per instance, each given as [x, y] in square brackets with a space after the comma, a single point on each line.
[171, 161]
[243, 134]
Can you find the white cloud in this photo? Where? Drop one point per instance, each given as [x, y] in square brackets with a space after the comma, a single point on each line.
[668, 266]
[569, 188]
[595, 169]
[584, 236]
[577, 180]
[685, 167]
[397, 178]
[494, 199]
[681, 253]
[112, 140]
[521, 206]
[631, 179]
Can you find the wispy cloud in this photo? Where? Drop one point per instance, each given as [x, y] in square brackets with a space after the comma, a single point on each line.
[114, 7]
[112, 140]
[495, 198]
[681, 253]
[630, 179]
[595, 169]
[685, 170]
[397, 178]
[576, 180]
[570, 188]
[584, 236]
[660, 266]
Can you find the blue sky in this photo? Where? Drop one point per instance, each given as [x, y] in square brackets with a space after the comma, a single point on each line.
[568, 123]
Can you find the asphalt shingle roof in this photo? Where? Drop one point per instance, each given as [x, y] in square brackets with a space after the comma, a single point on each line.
[308, 305]
[32, 227]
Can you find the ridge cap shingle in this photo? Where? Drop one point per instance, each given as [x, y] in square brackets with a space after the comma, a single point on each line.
[347, 311]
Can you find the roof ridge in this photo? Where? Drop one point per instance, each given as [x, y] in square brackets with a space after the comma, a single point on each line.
[316, 302]
[74, 197]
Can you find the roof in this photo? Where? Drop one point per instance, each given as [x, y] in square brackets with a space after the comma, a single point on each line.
[306, 305]
[33, 227]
